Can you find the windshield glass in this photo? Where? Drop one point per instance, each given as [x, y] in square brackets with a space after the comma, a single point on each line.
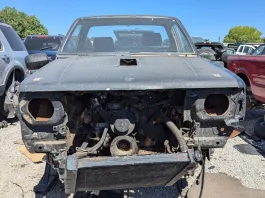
[259, 51]
[196, 39]
[134, 35]
[39, 43]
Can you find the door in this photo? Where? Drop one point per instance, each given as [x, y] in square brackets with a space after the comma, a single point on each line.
[4, 60]
[18, 50]
[258, 73]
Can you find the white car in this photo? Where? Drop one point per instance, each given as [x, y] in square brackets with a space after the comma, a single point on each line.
[245, 49]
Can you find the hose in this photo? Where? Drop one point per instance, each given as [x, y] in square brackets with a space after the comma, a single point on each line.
[177, 133]
[92, 150]
[202, 182]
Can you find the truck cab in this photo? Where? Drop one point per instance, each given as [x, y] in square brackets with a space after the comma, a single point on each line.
[245, 49]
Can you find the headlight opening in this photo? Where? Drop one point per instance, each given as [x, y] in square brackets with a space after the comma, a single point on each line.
[216, 104]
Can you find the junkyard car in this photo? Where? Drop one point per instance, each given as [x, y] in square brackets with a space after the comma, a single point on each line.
[12, 68]
[113, 114]
[251, 68]
[210, 50]
[48, 44]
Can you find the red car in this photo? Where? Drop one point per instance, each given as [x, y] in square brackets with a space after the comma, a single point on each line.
[251, 68]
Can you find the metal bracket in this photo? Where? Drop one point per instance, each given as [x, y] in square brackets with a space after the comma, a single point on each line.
[185, 170]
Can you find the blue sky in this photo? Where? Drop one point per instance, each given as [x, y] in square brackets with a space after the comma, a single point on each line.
[205, 18]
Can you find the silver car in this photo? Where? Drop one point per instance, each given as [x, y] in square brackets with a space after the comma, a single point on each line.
[12, 67]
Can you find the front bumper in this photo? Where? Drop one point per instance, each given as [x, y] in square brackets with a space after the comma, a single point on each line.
[111, 173]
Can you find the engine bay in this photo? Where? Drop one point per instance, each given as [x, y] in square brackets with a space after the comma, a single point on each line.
[135, 123]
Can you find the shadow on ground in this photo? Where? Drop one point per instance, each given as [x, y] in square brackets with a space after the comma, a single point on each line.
[219, 185]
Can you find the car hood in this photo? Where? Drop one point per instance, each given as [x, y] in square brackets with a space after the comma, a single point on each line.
[100, 73]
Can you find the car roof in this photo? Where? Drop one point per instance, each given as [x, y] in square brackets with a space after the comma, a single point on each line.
[128, 16]
[208, 43]
[4, 24]
[43, 36]
[247, 45]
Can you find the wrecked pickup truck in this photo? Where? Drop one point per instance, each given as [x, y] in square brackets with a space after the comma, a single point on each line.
[113, 114]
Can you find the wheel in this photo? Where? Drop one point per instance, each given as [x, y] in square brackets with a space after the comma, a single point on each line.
[8, 105]
[259, 128]
[250, 100]
[208, 54]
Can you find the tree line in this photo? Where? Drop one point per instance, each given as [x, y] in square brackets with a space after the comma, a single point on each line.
[26, 25]
[22, 23]
[244, 34]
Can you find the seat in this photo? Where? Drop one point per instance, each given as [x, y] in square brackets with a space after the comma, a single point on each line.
[103, 44]
[152, 39]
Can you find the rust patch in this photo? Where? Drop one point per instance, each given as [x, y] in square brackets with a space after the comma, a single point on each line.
[145, 152]
[234, 134]
[147, 142]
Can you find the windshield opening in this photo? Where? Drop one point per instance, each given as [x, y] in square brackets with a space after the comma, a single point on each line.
[45, 43]
[133, 35]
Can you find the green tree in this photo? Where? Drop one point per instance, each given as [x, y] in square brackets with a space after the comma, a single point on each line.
[21, 22]
[243, 34]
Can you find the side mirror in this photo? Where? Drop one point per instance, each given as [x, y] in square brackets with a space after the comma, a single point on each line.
[36, 61]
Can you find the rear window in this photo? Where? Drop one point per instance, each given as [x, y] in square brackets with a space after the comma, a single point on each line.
[246, 49]
[42, 43]
[13, 39]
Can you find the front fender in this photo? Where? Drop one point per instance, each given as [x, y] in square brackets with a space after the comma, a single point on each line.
[245, 72]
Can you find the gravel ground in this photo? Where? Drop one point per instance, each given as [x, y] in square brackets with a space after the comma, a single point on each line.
[18, 175]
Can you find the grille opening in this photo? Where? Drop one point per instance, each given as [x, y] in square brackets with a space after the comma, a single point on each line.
[128, 62]
[216, 104]
[41, 109]
[240, 102]
[124, 145]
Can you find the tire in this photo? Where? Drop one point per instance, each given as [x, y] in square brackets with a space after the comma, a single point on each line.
[8, 105]
[250, 99]
[208, 54]
[259, 128]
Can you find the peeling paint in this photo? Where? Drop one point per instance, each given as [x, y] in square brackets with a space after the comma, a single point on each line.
[217, 75]
[37, 79]
[128, 79]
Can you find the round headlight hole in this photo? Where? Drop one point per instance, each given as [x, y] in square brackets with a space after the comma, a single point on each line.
[41, 109]
[216, 104]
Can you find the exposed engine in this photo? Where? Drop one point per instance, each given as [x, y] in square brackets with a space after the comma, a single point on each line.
[84, 132]
[128, 123]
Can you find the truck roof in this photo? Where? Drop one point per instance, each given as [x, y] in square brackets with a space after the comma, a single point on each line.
[128, 16]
